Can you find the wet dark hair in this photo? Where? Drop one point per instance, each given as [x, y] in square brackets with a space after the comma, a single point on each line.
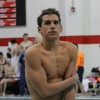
[76, 45]
[13, 41]
[48, 11]
[1, 54]
[25, 34]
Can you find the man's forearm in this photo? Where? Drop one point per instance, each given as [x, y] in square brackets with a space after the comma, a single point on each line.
[54, 88]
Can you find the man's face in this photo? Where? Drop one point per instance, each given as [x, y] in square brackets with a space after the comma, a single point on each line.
[50, 27]
[25, 37]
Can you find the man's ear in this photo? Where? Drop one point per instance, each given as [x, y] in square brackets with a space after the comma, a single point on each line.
[61, 28]
[39, 29]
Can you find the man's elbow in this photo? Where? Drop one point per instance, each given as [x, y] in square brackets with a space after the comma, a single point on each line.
[45, 93]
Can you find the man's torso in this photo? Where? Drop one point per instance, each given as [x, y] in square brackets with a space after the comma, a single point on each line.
[9, 69]
[26, 44]
[16, 50]
[55, 65]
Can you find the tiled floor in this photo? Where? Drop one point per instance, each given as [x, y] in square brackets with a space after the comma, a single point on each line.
[78, 97]
[12, 97]
[87, 97]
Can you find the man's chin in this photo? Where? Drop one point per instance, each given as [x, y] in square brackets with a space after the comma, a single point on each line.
[53, 38]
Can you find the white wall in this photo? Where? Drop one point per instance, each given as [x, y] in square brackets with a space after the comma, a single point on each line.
[85, 21]
[73, 20]
[95, 18]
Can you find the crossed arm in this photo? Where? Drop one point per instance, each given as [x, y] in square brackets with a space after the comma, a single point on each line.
[36, 77]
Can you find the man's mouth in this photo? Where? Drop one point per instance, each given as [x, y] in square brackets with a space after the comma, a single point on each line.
[52, 33]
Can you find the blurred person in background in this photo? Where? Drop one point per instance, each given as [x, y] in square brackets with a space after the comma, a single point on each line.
[25, 43]
[15, 52]
[80, 70]
[9, 72]
[3, 61]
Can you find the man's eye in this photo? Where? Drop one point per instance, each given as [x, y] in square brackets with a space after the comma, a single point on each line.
[56, 22]
[47, 23]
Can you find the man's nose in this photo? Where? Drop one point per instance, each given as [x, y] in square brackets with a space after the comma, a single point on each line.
[52, 25]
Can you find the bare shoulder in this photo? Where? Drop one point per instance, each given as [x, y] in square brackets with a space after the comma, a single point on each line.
[70, 48]
[21, 43]
[68, 45]
[32, 49]
[33, 52]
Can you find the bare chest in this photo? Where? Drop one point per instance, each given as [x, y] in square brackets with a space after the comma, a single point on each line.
[26, 44]
[9, 69]
[1, 60]
[55, 65]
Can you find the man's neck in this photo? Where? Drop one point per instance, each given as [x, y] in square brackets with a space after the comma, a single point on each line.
[51, 45]
[25, 40]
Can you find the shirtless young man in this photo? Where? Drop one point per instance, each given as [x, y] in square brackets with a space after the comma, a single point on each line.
[3, 61]
[15, 48]
[25, 43]
[9, 71]
[50, 63]
[15, 51]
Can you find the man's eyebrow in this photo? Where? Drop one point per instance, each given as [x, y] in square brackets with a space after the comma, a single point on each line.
[51, 20]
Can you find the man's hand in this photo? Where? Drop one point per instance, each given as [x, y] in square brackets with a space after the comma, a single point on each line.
[75, 78]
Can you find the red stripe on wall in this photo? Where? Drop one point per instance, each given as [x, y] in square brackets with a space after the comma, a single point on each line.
[90, 39]
[4, 41]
